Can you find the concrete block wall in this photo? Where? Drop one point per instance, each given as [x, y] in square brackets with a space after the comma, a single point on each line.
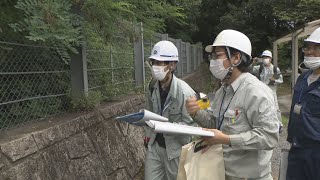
[91, 146]
[87, 145]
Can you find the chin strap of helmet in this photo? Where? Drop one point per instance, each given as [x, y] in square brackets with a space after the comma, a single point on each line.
[230, 69]
[243, 57]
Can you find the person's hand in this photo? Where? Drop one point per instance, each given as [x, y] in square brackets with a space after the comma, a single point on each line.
[146, 142]
[272, 81]
[218, 138]
[192, 105]
[254, 60]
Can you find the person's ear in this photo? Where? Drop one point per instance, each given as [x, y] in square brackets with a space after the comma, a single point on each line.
[237, 58]
[172, 65]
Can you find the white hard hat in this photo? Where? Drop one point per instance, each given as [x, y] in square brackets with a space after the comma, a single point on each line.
[267, 53]
[314, 36]
[234, 39]
[164, 51]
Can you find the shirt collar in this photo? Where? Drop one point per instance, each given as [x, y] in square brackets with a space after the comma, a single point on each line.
[172, 92]
[236, 83]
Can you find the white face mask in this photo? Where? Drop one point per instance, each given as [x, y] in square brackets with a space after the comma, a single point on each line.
[217, 69]
[158, 72]
[266, 61]
[312, 62]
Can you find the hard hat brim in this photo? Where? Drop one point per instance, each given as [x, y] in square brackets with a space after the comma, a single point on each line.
[313, 41]
[265, 55]
[209, 48]
[159, 58]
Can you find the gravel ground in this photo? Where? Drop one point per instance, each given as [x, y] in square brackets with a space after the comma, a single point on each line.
[275, 162]
[284, 104]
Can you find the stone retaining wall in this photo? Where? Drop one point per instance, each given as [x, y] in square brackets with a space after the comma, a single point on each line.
[83, 146]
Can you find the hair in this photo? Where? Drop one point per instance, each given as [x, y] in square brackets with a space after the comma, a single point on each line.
[175, 64]
[245, 59]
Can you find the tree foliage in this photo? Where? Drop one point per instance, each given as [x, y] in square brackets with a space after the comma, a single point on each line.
[262, 20]
[49, 21]
[246, 16]
[63, 21]
[186, 28]
[297, 12]
[109, 26]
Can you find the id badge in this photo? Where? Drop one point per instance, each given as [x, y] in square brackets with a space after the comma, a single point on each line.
[297, 108]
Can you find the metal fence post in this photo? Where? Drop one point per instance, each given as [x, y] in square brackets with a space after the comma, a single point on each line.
[188, 54]
[79, 74]
[180, 63]
[199, 55]
[194, 57]
[139, 57]
[164, 36]
[111, 65]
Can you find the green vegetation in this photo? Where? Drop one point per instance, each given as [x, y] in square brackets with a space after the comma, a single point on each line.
[86, 102]
[108, 29]
[285, 120]
[39, 37]
[262, 20]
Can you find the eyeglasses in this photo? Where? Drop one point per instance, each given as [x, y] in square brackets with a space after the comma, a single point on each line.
[199, 146]
[158, 63]
[218, 54]
[310, 49]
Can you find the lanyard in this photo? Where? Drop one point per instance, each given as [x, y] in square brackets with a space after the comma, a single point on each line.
[224, 94]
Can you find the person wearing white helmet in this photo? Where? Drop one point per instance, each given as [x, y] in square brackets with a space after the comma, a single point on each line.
[304, 121]
[270, 75]
[242, 114]
[165, 96]
[267, 72]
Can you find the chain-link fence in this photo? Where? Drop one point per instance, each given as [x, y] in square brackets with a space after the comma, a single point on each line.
[34, 82]
[148, 44]
[190, 55]
[111, 68]
[38, 82]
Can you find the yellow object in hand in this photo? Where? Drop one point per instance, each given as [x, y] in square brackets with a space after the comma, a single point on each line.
[204, 103]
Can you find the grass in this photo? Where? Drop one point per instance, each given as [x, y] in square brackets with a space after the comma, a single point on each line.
[285, 120]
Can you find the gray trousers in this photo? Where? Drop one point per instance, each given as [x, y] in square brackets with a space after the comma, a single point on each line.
[157, 165]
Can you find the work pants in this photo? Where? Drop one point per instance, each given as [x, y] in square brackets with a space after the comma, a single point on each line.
[303, 164]
[157, 165]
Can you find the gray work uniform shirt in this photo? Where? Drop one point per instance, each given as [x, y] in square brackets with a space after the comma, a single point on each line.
[175, 110]
[250, 119]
